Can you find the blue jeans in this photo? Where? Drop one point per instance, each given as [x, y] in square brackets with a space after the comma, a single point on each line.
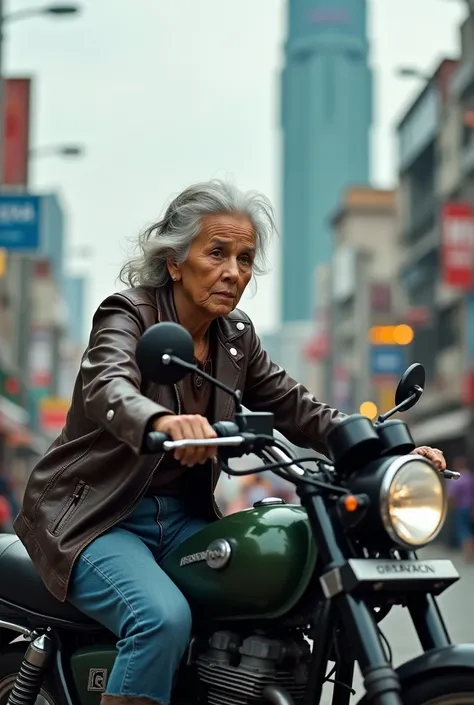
[118, 582]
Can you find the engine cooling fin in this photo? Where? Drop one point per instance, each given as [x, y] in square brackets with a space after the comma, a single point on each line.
[231, 685]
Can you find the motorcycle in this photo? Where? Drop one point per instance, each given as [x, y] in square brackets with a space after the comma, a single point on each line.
[277, 591]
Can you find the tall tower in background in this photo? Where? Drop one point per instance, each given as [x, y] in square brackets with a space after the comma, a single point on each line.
[326, 119]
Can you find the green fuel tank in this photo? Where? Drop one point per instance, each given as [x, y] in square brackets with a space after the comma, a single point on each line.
[255, 564]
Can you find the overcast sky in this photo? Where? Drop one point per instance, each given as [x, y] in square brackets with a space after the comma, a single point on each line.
[166, 92]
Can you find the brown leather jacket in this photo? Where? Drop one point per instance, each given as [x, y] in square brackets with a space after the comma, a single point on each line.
[93, 475]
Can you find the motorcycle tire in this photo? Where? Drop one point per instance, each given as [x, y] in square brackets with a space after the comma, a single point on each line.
[443, 689]
[10, 663]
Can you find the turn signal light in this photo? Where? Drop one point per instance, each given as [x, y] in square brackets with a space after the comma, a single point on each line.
[351, 503]
[352, 509]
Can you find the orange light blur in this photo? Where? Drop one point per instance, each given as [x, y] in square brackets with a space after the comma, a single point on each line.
[391, 335]
[403, 334]
[369, 409]
[351, 503]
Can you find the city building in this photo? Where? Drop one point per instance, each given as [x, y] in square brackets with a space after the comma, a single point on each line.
[356, 343]
[74, 291]
[436, 201]
[73, 341]
[41, 341]
[326, 116]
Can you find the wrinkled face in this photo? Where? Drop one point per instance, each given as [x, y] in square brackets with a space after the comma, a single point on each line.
[219, 264]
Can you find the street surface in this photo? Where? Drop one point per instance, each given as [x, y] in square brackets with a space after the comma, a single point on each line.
[457, 606]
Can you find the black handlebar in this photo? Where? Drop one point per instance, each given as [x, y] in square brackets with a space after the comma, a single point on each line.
[226, 429]
[155, 439]
[451, 475]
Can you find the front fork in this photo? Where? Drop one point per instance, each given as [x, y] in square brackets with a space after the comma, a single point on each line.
[381, 681]
[30, 677]
[426, 617]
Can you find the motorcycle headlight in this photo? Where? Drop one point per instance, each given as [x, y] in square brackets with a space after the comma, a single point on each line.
[412, 501]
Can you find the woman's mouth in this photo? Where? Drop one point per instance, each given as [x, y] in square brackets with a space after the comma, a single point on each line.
[224, 294]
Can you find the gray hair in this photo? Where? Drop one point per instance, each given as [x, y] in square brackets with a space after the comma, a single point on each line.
[171, 237]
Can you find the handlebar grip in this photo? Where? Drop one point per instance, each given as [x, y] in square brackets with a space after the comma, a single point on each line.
[225, 429]
[155, 439]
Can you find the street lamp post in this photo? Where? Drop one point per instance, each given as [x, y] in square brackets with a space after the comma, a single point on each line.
[22, 267]
[57, 150]
[57, 10]
[412, 72]
[2, 94]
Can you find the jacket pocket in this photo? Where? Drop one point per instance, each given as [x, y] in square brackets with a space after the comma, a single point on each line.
[57, 474]
[67, 511]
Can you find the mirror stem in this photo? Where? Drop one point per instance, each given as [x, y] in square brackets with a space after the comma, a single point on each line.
[417, 392]
[194, 368]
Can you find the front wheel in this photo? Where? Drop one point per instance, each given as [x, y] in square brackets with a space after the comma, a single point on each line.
[449, 688]
[452, 688]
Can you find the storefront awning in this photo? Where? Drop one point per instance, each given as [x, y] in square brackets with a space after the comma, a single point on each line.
[444, 427]
[14, 422]
[12, 417]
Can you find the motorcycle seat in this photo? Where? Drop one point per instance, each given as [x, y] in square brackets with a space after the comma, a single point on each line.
[22, 587]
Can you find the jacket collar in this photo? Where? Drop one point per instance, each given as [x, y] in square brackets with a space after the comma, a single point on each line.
[228, 354]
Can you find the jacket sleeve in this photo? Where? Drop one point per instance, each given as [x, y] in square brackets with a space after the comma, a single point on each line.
[299, 416]
[111, 379]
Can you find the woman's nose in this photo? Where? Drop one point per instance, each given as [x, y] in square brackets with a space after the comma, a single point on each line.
[232, 270]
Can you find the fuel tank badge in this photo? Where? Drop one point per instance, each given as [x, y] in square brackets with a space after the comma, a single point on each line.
[97, 680]
[217, 555]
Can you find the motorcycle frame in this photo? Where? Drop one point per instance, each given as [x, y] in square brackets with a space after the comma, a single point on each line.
[346, 616]
[342, 617]
[59, 633]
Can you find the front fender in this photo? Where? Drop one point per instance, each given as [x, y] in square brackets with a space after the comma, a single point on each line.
[454, 657]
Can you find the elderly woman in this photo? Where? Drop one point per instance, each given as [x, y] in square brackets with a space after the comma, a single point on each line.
[98, 515]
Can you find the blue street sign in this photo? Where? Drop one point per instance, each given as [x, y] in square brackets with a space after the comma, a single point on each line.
[19, 222]
[387, 360]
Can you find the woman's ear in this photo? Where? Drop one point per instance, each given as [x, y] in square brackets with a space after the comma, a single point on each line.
[173, 270]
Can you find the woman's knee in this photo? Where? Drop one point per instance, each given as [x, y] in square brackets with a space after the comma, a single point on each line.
[127, 601]
[170, 621]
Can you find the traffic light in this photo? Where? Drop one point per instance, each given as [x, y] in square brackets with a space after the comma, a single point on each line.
[391, 335]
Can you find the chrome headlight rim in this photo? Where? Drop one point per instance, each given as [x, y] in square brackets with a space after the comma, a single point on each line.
[395, 466]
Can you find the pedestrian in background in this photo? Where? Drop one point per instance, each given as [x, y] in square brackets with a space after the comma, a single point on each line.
[461, 499]
[6, 516]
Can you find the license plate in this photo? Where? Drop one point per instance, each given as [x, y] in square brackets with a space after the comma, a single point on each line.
[376, 574]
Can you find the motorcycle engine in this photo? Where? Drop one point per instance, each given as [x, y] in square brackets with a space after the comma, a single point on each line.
[237, 670]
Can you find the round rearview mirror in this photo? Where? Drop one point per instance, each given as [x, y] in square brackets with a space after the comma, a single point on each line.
[413, 378]
[157, 345]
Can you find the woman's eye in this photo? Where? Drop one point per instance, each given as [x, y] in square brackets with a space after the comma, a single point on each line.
[216, 253]
[246, 259]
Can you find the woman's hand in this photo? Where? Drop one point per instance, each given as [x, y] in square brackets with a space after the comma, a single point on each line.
[190, 426]
[434, 454]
